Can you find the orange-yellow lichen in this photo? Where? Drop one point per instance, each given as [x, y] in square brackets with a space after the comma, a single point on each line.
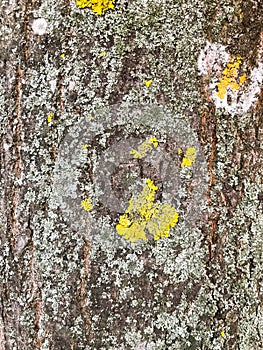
[144, 148]
[97, 6]
[50, 117]
[86, 204]
[144, 214]
[243, 78]
[133, 232]
[148, 83]
[230, 78]
[189, 157]
[160, 224]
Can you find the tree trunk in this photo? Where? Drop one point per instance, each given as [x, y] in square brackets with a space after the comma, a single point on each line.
[157, 101]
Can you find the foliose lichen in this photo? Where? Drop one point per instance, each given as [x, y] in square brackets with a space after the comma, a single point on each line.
[97, 6]
[143, 213]
[144, 148]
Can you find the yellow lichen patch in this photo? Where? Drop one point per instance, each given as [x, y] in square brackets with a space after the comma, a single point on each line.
[222, 334]
[144, 214]
[50, 117]
[97, 6]
[243, 78]
[103, 53]
[148, 83]
[85, 146]
[144, 148]
[229, 77]
[86, 204]
[143, 204]
[62, 56]
[160, 224]
[134, 232]
[189, 157]
[179, 151]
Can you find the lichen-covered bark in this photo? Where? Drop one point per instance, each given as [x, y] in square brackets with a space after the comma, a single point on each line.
[200, 288]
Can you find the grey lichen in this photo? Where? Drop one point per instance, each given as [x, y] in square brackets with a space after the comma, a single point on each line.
[156, 295]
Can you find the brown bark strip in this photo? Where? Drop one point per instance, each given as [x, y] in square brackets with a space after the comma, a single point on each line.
[17, 168]
[18, 131]
[211, 160]
[211, 184]
[83, 294]
[208, 134]
[37, 321]
[60, 89]
[42, 336]
[2, 334]
[26, 30]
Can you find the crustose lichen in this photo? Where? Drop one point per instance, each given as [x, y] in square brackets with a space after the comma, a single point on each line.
[97, 6]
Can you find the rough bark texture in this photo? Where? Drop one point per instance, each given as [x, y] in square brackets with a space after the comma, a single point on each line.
[201, 288]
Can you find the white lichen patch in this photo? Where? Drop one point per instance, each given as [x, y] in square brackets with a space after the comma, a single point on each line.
[211, 58]
[229, 85]
[39, 26]
[145, 346]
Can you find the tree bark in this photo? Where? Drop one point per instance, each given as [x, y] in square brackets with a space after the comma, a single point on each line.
[67, 72]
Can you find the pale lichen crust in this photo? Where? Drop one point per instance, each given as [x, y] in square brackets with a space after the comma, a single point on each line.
[130, 188]
[154, 294]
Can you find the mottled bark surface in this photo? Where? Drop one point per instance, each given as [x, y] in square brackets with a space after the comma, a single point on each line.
[200, 288]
